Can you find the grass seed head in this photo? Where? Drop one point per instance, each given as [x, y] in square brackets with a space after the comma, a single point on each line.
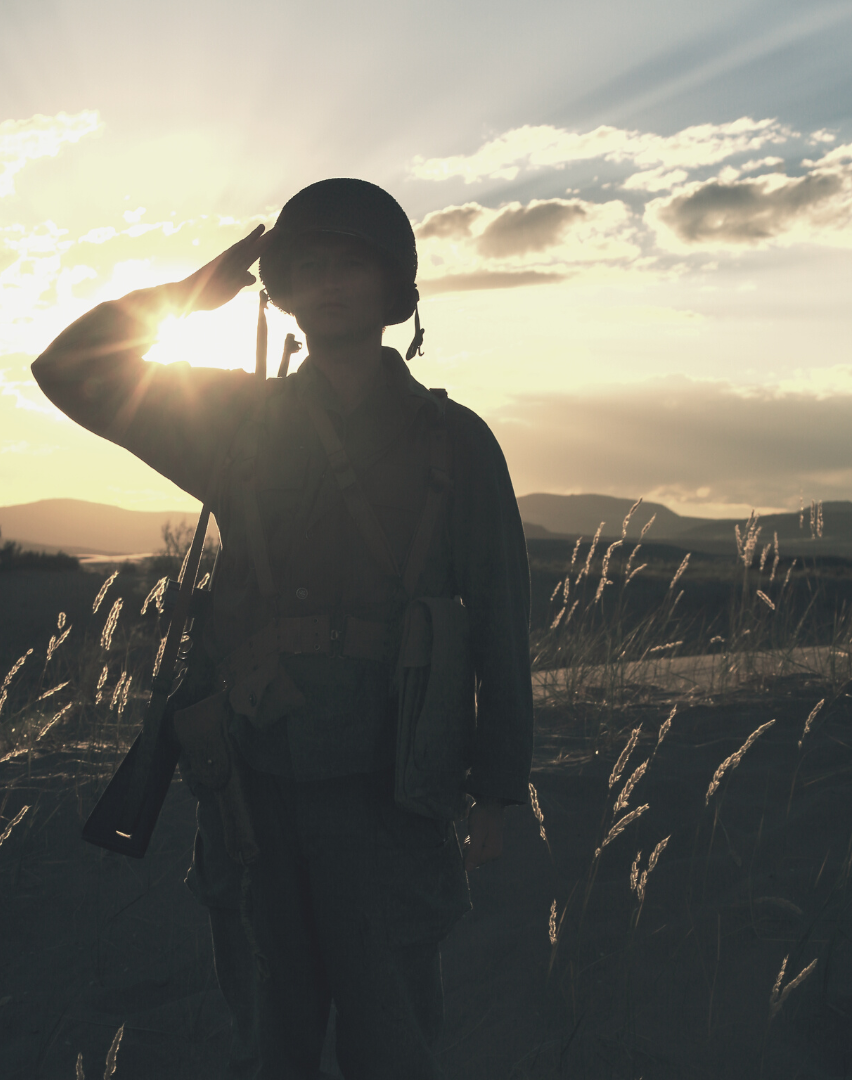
[551, 926]
[734, 760]
[779, 996]
[620, 826]
[810, 720]
[681, 570]
[112, 621]
[627, 790]
[762, 596]
[103, 591]
[15, 821]
[647, 526]
[618, 768]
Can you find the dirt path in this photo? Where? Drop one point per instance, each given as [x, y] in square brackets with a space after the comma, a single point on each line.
[93, 941]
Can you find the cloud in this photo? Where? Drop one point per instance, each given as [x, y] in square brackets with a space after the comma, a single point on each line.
[489, 279]
[683, 439]
[539, 242]
[451, 223]
[723, 212]
[537, 226]
[545, 146]
[40, 136]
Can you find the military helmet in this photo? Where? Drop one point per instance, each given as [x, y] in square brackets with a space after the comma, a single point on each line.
[351, 208]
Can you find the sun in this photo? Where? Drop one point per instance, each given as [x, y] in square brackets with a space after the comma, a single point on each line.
[224, 338]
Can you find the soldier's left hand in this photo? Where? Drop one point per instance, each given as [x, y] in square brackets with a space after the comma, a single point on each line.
[485, 825]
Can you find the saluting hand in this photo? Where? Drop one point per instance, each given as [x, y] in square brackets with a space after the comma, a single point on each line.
[485, 825]
[223, 277]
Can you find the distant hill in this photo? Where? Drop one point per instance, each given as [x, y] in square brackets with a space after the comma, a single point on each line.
[555, 516]
[79, 527]
[580, 515]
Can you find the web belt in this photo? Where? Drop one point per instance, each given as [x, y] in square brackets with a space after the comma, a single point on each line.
[359, 639]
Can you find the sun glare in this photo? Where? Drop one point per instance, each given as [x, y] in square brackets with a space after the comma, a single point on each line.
[224, 338]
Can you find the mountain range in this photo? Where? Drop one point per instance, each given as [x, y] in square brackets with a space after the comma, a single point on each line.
[79, 527]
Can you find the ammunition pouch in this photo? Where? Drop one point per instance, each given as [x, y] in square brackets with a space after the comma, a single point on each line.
[437, 709]
[202, 731]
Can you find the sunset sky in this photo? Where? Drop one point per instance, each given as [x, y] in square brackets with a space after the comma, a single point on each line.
[634, 219]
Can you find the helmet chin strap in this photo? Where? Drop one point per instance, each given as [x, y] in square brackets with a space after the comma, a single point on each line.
[417, 340]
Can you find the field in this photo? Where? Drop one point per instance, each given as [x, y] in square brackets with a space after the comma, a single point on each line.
[702, 929]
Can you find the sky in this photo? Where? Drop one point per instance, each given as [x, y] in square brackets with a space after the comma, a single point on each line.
[634, 220]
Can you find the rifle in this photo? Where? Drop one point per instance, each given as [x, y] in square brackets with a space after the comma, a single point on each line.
[124, 817]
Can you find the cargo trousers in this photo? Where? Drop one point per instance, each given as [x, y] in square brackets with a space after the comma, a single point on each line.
[348, 900]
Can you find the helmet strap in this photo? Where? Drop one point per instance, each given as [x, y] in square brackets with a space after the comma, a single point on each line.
[417, 340]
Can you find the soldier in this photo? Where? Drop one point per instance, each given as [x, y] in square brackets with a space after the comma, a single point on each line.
[351, 894]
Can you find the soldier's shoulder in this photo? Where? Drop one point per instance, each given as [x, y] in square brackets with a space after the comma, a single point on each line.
[467, 424]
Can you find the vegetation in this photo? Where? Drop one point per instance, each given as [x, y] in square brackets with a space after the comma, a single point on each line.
[14, 557]
[628, 652]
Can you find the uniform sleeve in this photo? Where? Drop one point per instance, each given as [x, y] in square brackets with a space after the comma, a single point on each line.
[493, 577]
[173, 417]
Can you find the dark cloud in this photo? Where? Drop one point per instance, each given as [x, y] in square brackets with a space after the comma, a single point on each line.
[519, 230]
[451, 224]
[681, 436]
[489, 279]
[746, 212]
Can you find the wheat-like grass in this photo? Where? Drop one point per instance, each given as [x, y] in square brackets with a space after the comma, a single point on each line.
[620, 826]
[591, 554]
[16, 667]
[605, 569]
[536, 809]
[630, 514]
[15, 820]
[80, 1074]
[112, 1053]
[681, 570]
[734, 760]
[53, 690]
[647, 526]
[103, 591]
[125, 693]
[766, 549]
[99, 689]
[633, 574]
[762, 596]
[639, 882]
[559, 585]
[627, 790]
[789, 572]
[55, 720]
[155, 596]
[159, 657]
[116, 694]
[779, 996]
[55, 642]
[664, 728]
[112, 621]
[60, 621]
[666, 647]
[618, 768]
[551, 926]
[810, 720]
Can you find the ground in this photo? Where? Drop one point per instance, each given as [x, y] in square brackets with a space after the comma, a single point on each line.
[759, 873]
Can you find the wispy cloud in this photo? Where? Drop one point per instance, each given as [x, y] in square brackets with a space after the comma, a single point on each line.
[22, 141]
[547, 147]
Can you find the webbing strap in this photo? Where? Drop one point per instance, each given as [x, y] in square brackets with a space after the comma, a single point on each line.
[439, 484]
[356, 501]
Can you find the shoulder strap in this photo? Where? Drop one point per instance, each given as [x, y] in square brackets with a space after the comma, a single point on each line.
[440, 484]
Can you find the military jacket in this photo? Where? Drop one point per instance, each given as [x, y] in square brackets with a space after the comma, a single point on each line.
[177, 418]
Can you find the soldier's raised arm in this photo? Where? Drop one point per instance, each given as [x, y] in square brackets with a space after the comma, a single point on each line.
[173, 417]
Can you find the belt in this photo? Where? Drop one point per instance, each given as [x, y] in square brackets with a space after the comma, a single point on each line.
[308, 634]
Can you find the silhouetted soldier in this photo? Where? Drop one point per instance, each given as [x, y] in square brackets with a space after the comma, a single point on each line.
[351, 894]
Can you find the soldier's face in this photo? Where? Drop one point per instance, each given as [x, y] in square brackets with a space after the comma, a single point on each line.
[338, 288]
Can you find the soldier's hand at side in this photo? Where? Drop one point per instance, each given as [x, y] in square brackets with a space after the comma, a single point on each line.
[485, 825]
[223, 277]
